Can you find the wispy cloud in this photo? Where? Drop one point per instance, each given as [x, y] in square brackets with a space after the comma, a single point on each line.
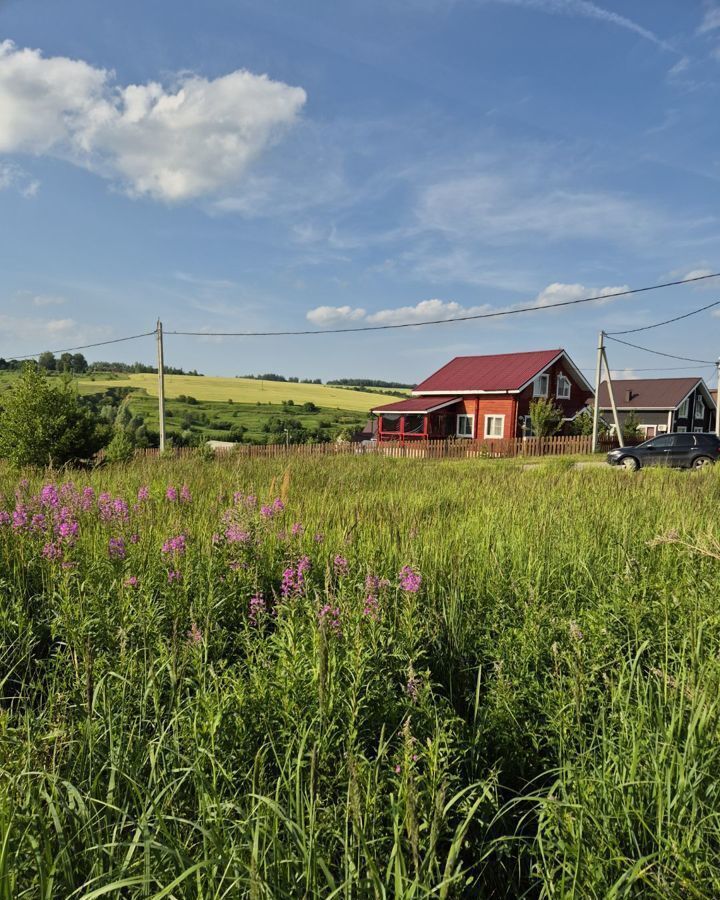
[13, 176]
[589, 10]
[711, 20]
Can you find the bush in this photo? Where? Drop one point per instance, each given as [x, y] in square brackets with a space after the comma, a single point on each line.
[45, 424]
[120, 448]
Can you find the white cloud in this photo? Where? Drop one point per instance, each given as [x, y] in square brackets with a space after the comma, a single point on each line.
[12, 176]
[696, 273]
[560, 293]
[433, 310]
[20, 331]
[326, 316]
[589, 10]
[47, 300]
[194, 138]
[711, 20]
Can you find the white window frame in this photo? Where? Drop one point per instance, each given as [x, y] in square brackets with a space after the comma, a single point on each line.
[699, 408]
[681, 429]
[563, 379]
[683, 409]
[698, 429]
[471, 418]
[537, 386]
[494, 416]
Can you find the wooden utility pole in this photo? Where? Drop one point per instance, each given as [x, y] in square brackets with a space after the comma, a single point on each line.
[161, 384]
[596, 405]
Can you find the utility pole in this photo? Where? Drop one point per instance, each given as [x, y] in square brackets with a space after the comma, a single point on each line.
[612, 401]
[717, 401]
[596, 406]
[161, 384]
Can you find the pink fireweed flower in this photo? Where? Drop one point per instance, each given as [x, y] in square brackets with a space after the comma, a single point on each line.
[52, 551]
[175, 546]
[67, 530]
[88, 498]
[257, 608]
[251, 501]
[195, 635]
[319, 538]
[236, 535]
[412, 687]
[278, 505]
[171, 494]
[49, 496]
[134, 538]
[116, 548]
[174, 576]
[20, 517]
[185, 495]
[296, 529]
[329, 616]
[371, 608]
[266, 512]
[37, 523]
[341, 565]
[143, 493]
[410, 580]
[215, 538]
[374, 583]
[5, 517]
[131, 581]
[293, 578]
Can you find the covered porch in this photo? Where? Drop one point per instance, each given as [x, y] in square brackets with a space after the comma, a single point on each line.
[418, 419]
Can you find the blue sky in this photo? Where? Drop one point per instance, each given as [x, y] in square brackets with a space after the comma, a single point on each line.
[237, 165]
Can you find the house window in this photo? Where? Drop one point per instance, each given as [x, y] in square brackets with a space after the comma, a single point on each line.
[698, 430]
[683, 409]
[563, 387]
[391, 422]
[540, 386]
[699, 408]
[494, 426]
[414, 424]
[680, 428]
[465, 426]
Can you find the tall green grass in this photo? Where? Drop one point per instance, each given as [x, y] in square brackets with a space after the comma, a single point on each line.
[540, 719]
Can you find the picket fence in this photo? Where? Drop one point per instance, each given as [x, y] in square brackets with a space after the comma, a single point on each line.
[431, 449]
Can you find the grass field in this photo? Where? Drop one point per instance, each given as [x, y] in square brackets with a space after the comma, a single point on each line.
[241, 390]
[360, 677]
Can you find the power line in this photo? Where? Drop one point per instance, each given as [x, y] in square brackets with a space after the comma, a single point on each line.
[489, 315]
[666, 322]
[709, 362]
[654, 369]
[132, 337]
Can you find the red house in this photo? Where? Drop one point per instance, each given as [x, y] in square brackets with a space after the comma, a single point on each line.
[485, 397]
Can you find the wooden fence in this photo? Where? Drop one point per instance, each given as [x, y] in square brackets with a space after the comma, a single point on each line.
[431, 449]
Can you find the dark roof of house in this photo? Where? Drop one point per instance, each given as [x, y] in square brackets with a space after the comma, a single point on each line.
[648, 393]
[416, 405]
[490, 374]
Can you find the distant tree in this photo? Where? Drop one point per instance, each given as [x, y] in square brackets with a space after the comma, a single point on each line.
[45, 424]
[78, 364]
[545, 416]
[64, 364]
[309, 407]
[46, 361]
[631, 426]
[583, 423]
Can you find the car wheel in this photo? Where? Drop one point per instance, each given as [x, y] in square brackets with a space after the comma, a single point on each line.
[630, 463]
[701, 462]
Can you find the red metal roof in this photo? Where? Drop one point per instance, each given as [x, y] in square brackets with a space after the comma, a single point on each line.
[416, 405]
[647, 393]
[498, 372]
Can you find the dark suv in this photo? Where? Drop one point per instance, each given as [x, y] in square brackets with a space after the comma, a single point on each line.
[679, 449]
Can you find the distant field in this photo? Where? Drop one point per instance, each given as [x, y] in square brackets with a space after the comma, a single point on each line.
[241, 390]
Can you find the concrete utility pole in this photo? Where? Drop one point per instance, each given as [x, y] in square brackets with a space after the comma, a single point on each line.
[717, 401]
[612, 401]
[161, 384]
[596, 405]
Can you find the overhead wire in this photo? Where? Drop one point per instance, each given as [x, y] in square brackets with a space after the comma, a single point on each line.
[708, 362]
[132, 337]
[468, 318]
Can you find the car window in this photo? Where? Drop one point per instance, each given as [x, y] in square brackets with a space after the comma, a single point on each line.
[661, 442]
[682, 440]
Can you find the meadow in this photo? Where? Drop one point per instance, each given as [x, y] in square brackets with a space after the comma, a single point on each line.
[359, 677]
[241, 390]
